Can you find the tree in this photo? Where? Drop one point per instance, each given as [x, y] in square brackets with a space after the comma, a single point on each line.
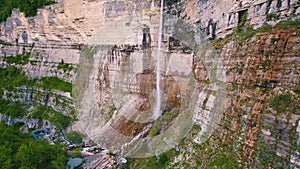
[5, 157]
[19, 150]
[26, 156]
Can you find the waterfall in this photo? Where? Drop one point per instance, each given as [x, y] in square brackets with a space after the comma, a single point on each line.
[157, 108]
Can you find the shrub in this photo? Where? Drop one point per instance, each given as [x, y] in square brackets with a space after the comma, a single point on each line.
[64, 66]
[271, 16]
[243, 22]
[74, 137]
[21, 59]
[286, 24]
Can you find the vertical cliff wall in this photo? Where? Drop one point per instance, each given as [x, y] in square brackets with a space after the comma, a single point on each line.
[260, 127]
[220, 17]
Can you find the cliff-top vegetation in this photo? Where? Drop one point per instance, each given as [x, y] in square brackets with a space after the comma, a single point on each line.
[29, 7]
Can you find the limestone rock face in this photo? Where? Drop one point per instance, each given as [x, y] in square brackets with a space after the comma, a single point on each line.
[44, 59]
[256, 70]
[254, 79]
[28, 122]
[220, 17]
[67, 21]
[76, 21]
[64, 22]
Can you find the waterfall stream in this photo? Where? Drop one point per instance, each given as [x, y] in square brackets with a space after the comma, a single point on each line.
[157, 111]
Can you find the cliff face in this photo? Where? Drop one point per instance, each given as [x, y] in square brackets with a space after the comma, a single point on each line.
[259, 126]
[67, 21]
[47, 26]
[82, 19]
[220, 17]
[263, 75]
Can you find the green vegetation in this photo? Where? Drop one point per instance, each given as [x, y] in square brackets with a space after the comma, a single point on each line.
[55, 83]
[65, 66]
[225, 161]
[74, 137]
[266, 64]
[75, 153]
[162, 122]
[5, 43]
[111, 111]
[268, 112]
[152, 162]
[13, 77]
[204, 103]
[271, 16]
[242, 34]
[19, 150]
[280, 103]
[265, 27]
[287, 24]
[58, 119]
[29, 7]
[14, 109]
[243, 22]
[21, 59]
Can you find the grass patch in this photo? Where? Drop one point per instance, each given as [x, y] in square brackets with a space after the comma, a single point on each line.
[55, 83]
[75, 153]
[243, 22]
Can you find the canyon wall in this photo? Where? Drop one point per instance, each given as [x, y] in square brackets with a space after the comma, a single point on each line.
[261, 72]
[76, 21]
[220, 17]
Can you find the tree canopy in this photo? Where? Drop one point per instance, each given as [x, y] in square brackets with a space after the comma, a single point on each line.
[29, 7]
[19, 150]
